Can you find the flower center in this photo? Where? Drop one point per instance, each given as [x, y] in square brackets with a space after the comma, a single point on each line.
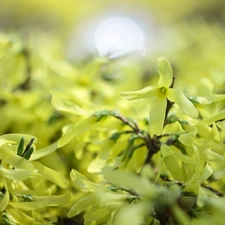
[163, 91]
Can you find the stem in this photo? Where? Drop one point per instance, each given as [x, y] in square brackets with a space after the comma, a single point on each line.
[179, 183]
[169, 103]
[152, 144]
[134, 127]
[213, 190]
[25, 85]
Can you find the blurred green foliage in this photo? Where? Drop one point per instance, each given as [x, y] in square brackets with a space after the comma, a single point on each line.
[73, 151]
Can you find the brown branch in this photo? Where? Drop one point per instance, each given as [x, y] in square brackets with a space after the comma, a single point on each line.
[179, 183]
[169, 103]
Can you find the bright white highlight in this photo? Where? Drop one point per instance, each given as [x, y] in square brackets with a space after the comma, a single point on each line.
[118, 36]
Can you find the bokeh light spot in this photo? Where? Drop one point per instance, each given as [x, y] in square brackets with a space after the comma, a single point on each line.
[117, 37]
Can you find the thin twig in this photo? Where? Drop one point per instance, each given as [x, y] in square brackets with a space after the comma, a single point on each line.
[179, 183]
[169, 103]
[134, 127]
[25, 85]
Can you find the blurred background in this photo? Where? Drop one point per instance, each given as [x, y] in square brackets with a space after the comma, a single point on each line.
[116, 28]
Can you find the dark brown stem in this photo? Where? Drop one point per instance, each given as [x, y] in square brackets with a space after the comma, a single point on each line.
[213, 190]
[179, 183]
[134, 127]
[169, 103]
[25, 85]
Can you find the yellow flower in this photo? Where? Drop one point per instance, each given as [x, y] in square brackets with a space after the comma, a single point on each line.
[158, 96]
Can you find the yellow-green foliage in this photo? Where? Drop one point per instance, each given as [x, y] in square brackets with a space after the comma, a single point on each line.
[72, 144]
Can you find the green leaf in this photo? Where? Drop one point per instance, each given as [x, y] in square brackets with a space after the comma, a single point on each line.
[26, 197]
[115, 136]
[165, 72]
[28, 153]
[172, 119]
[21, 147]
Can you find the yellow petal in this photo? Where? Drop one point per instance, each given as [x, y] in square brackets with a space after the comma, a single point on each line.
[7, 155]
[165, 73]
[82, 204]
[212, 155]
[187, 138]
[122, 178]
[44, 151]
[20, 217]
[72, 130]
[4, 200]
[15, 138]
[221, 125]
[206, 173]
[51, 175]
[66, 106]
[28, 205]
[18, 174]
[185, 105]
[53, 200]
[157, 115]
[171, 162]
[216, 117]
[147, 92]
[133, 214]
[81, 181]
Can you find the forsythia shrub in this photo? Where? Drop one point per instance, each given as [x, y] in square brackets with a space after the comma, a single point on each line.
[89, 146]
